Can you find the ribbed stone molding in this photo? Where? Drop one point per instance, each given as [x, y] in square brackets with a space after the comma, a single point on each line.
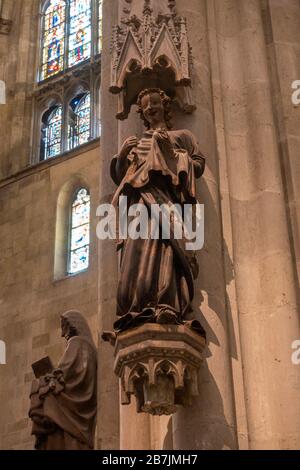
[159, 365]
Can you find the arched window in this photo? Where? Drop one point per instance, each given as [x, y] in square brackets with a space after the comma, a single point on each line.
[79, 131]
[53, 41]
[79, 242]
[71, 34]
[69, 72]
[51, 137]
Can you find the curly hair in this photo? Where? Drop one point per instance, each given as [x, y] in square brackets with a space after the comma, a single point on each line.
[166, 101]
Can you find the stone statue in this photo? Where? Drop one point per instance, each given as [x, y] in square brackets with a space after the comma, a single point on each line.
[156, 275]
[64, 400]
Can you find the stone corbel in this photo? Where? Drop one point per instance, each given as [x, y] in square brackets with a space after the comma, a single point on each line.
[158, 364]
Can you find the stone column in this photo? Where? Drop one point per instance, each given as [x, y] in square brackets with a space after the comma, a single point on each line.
[135, 428]
[266, 296]
[211, 422]
[108, 396]
[137, 435]
[283, 50]
[6, 9]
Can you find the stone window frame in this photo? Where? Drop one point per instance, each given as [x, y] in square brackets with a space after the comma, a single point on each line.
[70, 227]
[63, 226]
[62, 88]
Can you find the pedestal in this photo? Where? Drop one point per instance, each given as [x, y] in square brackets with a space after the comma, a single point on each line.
[159, 364]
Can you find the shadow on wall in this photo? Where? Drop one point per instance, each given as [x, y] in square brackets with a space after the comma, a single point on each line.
[211, 431]
[209, 280]
[208, 428]
[168, 440]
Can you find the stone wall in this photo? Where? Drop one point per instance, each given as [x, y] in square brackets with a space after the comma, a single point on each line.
[18, 67]
[31, 301]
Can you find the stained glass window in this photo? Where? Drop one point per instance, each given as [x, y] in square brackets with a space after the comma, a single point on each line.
[80, 31]
[80, 232]
[53, 39]
[79, 120]
[51, 133]
[100, 26]
[71, 34]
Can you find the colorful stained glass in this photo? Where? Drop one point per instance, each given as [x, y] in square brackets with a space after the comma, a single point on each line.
[81, 214]
[80, 237]
[79, 260]
[80, 31]
[53, 38]
[80, 232]
[51, 134]
[79, 121]
[100, 26]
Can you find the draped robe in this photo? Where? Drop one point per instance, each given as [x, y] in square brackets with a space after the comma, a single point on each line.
[64, 403]
[156, 275]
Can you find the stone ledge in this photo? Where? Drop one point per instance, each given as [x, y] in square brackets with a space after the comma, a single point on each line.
[45, 164]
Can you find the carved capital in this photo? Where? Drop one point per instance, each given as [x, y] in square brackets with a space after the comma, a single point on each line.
[159, 364]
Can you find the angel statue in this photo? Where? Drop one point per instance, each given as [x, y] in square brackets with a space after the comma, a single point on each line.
[156, 273]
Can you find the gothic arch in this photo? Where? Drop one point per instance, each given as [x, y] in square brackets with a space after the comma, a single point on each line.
[62, 225]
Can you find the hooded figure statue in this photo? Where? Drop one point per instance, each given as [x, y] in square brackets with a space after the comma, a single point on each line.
[64, 401]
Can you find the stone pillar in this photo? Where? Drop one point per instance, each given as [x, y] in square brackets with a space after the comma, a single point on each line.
[283, 46]
[118, 426]
[135, 436]
[211, 422]
[108, 397]
[6, 9]
[266, 296]
[161, 432]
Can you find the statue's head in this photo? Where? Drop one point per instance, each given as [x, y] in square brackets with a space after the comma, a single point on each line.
[154, 107]
[73, 323]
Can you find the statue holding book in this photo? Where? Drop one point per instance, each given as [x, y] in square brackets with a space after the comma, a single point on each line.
[64, 399]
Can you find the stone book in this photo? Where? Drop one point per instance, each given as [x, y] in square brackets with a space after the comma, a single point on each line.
[42, 367]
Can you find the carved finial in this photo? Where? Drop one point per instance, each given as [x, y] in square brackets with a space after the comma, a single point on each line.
[147, 7]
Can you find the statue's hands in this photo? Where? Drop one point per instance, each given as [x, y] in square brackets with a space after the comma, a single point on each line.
[164, 142]
[127, 146]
